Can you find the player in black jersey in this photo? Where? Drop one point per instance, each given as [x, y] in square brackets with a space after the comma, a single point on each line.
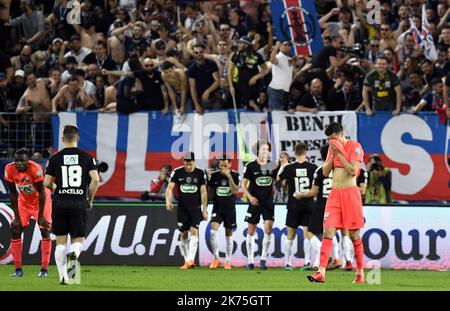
[222, 188]
[191, 183]
[299, 176]
[257, 185]
[72, 174]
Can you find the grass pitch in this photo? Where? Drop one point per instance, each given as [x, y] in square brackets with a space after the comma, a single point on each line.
[136, 278]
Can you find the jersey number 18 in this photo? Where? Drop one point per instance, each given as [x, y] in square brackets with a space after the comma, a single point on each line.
[71, 176]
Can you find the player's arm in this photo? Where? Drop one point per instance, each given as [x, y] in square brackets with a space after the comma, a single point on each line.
[252, 199]
[93, 186]
[233, 186]
[310, 194]
[204, 195]
[14, 196]
[48, 182]
[168, 194]
[42, 198]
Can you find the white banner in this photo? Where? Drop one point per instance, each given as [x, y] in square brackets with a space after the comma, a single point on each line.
[289, 129]
[399, 237]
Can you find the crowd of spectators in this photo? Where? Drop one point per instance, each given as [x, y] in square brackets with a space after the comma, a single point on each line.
[180, 56]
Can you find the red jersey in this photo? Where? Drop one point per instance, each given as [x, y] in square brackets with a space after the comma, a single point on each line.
[25, 182]
[352, 152]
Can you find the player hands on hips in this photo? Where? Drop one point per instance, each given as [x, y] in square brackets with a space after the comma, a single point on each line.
[32, 200]
[191, 183]
[344, 205]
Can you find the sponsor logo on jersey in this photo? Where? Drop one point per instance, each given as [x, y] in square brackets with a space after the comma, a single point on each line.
[71, 159]
[223, 191]
[188, 188]
[71, 191]
[28, 189]
[264, 181]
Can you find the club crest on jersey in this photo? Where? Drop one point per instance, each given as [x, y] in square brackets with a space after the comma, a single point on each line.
[358, 150]
[39, 173]
[264, 172]
[188, 180]
[223, 182]
[71, 159]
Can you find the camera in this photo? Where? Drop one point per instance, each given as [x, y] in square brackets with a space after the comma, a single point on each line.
[357, 50]
[376, 165]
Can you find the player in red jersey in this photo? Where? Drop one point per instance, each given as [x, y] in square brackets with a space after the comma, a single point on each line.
[32, 200]
[344, 205]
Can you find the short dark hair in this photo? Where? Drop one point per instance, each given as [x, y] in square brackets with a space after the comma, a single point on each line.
[224, 157]
[200, 45]
[382, 58]
[435, 81]
[166, 65]
[70, 132]
[260, 143]
[333, 128]
[101, 42]
[79, 73]
[72, 78]
[23, 151]
[300, 148]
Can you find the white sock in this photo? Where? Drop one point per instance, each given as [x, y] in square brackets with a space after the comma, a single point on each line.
[60, 259]
[347, 247]
[229, 250]
[335, 250]
[76, 247]
[184, 249]
[214, 243]
[250, 244]
[307, 250]
[315, 250]
[193, 245]
[266, 245]
[288, 253]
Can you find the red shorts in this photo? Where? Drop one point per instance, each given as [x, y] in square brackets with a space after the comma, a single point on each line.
[26, 211]
[344, 209]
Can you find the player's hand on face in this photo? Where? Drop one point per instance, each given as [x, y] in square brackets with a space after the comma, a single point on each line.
[225, 172]
[334, 149]
[43, 222]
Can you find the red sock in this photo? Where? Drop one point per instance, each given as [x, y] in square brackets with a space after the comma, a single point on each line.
[325, 251]
[46, 250]
[16, 248]
[359, 253]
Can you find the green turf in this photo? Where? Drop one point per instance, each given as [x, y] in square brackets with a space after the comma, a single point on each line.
[171, 278]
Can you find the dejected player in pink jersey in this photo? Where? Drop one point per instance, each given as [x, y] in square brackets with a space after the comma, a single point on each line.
[32, 200]
[344, 205]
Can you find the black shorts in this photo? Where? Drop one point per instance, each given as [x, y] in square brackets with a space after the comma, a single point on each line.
[188, 217]
[227, 217]
[298, 215]
[69, 220]
[316, 220]
[266, 209]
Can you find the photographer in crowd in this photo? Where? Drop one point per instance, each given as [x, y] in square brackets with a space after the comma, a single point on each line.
[380, 181]
[158, 186]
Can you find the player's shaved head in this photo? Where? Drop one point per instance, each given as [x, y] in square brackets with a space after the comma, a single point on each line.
[23, 151]
[70, 133]
[300, 149]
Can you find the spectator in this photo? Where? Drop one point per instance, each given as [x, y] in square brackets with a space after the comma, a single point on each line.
[176, 83]
[385, 88]
[373, 52]
[6, 66]
[243, 74]
[428, 74]
[391, 59]
[23, 60]
[158, 186]
[434, 100]
[387, 39]
[411, 91]
[110, 95]
[54, 82]
[43, 60]
[163, 36]
[70, 64]
[343, 97]
[282, 72]
[72, 97]
[380, 180]
[99, 57]
[409, 49]
[87, 85]
[192, 16]
[36, 100]
[31, 24]
[75, 49]
[204, 81]
[313, 101]
[327, 56]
